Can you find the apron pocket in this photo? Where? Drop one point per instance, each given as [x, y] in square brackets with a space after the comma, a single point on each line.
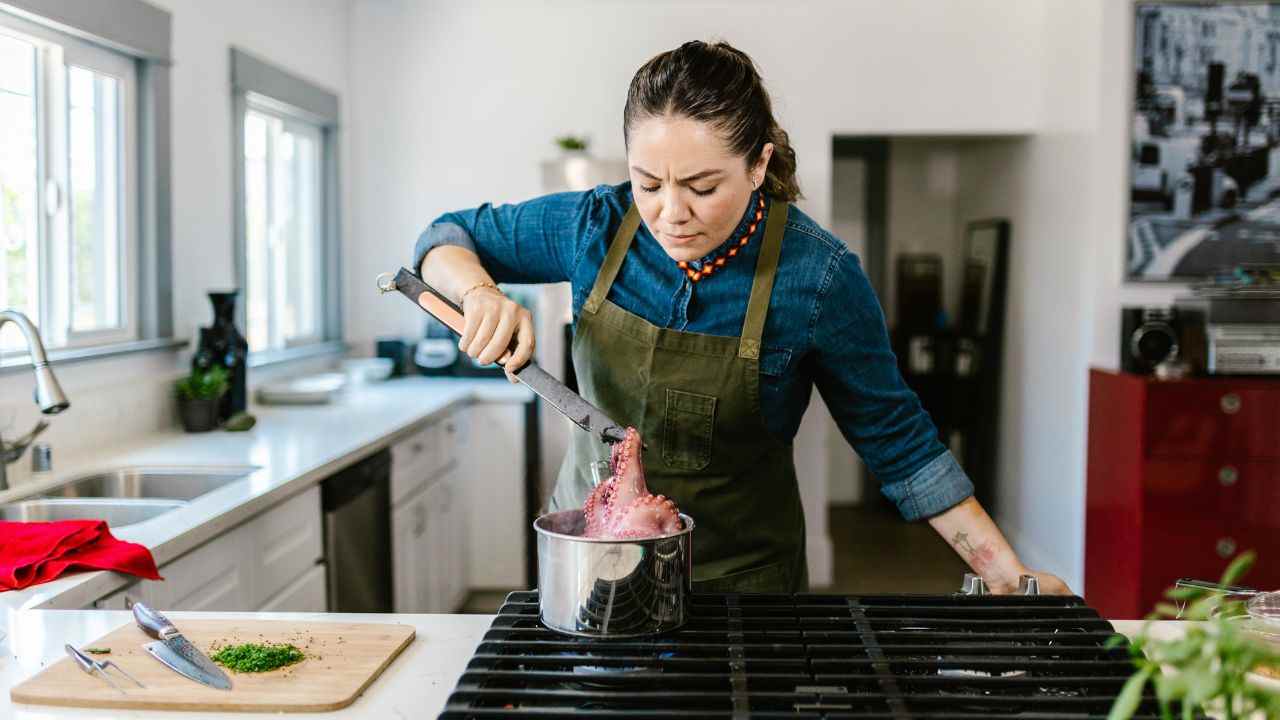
[767, 579]
[686, 430]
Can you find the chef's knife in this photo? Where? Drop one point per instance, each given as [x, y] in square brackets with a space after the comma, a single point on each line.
[175, 651]
[572, 405]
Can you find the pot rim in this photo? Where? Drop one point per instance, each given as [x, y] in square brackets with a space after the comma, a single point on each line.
[687, 529]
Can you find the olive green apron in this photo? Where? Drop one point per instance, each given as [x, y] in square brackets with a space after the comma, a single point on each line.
[695, 399]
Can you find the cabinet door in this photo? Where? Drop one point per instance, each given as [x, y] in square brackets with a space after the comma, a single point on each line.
[454, 548]
[214, 576]
[404, 554]
[491, 492]
[432, 550]
[286, 543]
[306, 594]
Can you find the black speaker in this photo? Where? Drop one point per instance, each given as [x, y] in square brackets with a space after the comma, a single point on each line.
[1148, 337]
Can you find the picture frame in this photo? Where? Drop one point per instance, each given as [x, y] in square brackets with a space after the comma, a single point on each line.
[1204, 139]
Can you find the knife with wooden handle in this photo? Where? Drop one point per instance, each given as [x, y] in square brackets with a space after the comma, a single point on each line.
[175, 651]
[570, 404]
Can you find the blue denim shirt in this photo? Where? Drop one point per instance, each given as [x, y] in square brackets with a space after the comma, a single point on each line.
[824, 326]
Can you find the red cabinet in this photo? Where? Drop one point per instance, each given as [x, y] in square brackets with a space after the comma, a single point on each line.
[1183, 475]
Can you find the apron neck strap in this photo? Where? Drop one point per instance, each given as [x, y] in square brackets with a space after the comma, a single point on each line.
[762, 285]
[613, 260]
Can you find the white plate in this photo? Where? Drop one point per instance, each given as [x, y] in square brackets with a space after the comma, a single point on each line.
[306, 390]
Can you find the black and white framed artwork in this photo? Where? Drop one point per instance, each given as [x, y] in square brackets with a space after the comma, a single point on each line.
[1205, 139]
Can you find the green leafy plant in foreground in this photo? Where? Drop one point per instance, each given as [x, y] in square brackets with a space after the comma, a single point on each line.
[1205, 669]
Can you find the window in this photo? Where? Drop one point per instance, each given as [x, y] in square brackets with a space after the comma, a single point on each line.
[68, 187]
[282, 231]
[286, 208]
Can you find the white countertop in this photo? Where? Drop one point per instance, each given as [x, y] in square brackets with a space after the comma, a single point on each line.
[415, 685]
[293, 447]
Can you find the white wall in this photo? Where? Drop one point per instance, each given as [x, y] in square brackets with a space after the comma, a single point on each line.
[1064, 190]
[454, 103]
[115, 399]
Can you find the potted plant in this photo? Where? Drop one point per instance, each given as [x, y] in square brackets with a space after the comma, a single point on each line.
[199, 395]
[573, 143]
[1204, 669]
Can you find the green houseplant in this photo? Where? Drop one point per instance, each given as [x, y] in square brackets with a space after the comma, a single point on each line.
[198, 397]
[1204, 670]
[573, 143]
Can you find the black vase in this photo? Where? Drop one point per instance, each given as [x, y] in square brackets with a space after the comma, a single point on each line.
[222, 344]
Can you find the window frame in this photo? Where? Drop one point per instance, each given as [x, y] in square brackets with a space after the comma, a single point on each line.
[268, 89]
[139, 37]
[56, 54]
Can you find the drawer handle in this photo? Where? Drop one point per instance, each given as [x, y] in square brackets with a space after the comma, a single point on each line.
[1226, 548]
[1230, 403]
[1228, 476]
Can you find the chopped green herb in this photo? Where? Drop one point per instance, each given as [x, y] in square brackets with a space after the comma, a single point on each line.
[98, 651]
[255, 657]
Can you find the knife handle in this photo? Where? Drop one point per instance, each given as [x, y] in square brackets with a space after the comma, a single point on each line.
[436, 304]
[153, 623]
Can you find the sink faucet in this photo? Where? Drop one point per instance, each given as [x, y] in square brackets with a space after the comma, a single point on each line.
[48, 393]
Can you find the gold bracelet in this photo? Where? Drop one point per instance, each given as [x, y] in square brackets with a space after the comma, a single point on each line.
[477, 286]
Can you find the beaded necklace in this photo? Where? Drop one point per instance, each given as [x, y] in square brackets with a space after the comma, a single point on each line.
[717, 263]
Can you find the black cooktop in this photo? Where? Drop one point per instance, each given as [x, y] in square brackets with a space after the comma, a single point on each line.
[809, 656]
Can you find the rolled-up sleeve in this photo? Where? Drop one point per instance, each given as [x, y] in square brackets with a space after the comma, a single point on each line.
[537, 241]
[857, 375]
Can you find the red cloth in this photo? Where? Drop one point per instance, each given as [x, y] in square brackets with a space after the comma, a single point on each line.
[35, 552]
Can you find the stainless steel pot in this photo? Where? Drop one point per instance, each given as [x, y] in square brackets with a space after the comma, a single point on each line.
[611, 588]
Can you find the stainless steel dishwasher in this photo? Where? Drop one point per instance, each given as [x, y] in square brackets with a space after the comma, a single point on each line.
[357, 535]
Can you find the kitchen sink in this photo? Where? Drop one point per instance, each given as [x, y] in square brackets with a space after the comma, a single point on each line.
[117, 513]
[170, 483]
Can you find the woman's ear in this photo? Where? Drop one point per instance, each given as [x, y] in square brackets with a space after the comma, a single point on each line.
[761, 165]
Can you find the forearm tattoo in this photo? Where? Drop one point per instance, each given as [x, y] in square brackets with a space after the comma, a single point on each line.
[980, 557]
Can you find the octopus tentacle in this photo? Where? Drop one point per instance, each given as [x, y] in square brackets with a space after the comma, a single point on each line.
[622, 506]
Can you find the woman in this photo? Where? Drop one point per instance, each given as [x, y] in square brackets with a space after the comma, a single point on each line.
[706, 309]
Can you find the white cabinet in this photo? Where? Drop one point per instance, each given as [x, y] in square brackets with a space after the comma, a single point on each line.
[214, 576]
[409, 545]
[284, 543]
[429, 523]
[306, 594]
[273, 559]
[491, 472]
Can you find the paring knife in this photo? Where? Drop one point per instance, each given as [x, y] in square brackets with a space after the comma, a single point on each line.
[570, 404]
[175, 651]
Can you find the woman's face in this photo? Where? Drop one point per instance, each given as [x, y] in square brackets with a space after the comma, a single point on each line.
[690, 189]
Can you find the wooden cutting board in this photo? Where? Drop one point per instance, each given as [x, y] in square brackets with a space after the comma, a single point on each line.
[342, 659]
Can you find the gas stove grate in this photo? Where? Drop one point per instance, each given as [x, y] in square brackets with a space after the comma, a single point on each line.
[809, 656]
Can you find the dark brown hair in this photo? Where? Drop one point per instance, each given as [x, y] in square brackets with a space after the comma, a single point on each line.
[716, 84]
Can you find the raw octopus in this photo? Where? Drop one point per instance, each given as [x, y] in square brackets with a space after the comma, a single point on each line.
[622, 507]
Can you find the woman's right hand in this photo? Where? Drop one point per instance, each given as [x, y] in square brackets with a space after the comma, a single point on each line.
[491, 321]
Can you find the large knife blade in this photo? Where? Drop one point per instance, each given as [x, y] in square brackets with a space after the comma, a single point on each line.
[175, 651]
[570, 404]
